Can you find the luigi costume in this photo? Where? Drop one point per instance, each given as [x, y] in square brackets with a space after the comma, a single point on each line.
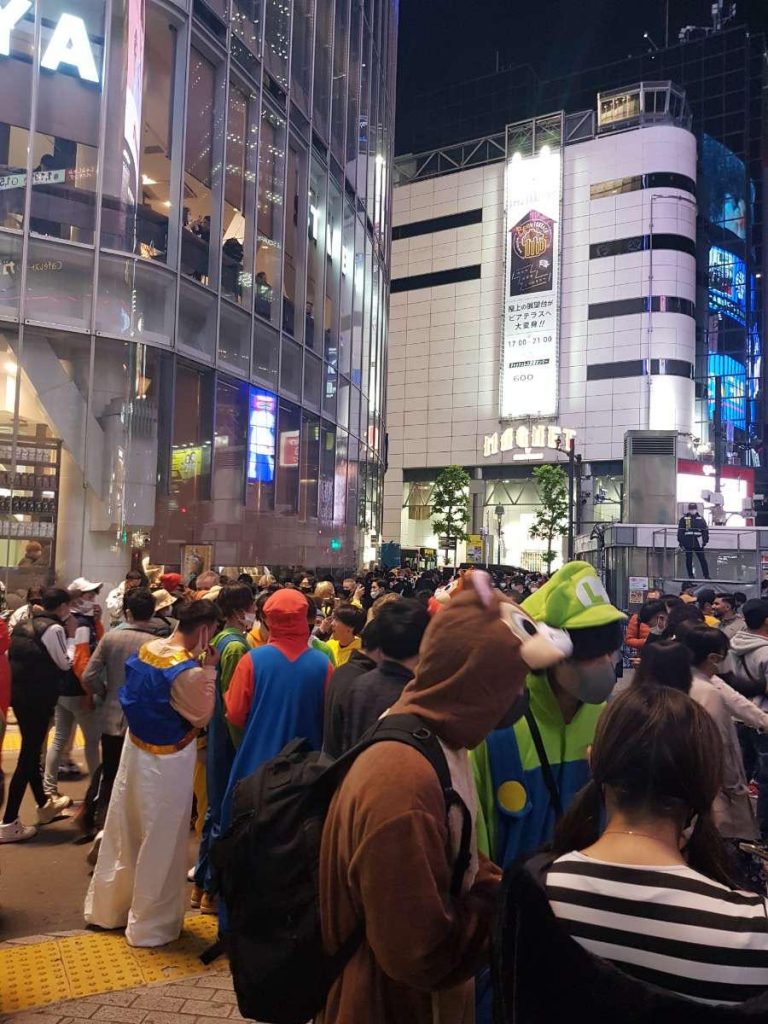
[528, 774]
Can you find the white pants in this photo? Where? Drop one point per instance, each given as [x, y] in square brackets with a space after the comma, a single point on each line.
[139, 882]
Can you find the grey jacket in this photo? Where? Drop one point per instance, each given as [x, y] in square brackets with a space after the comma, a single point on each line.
[105, 672]
[749, 657]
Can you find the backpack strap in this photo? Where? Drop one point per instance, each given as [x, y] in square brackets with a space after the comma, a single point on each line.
[414, 732]
[546, 767]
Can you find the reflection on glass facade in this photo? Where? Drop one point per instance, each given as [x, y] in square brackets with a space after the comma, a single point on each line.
[194, 230]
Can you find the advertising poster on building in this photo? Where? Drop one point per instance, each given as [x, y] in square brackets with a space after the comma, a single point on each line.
[530, 339]
[475, 548]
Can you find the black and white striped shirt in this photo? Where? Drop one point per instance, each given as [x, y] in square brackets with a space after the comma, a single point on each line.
[668, 926]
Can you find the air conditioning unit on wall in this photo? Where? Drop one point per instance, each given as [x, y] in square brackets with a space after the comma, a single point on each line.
[650, 476]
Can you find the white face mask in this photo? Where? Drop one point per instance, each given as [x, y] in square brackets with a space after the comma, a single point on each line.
[374, 593]
[85, 605]
[590, 682]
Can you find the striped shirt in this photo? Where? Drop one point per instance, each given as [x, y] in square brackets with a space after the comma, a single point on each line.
[667, 926]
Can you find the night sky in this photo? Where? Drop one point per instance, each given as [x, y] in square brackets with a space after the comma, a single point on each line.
[447, 41]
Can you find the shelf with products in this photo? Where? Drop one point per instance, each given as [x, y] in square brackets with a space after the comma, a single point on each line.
[30, 474]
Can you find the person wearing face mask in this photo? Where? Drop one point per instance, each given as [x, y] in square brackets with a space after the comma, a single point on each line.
[74, 707]
[169, 694]
[236, 606]
[528, 774]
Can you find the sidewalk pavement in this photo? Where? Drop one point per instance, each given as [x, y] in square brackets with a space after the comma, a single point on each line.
[90, 975]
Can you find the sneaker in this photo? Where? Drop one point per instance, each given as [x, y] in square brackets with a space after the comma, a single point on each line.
[70, 770]
[52, 809]
[15, 832]
[196, 897]
[191, 874]
[93, 853]
[54, 794]
[208, 905]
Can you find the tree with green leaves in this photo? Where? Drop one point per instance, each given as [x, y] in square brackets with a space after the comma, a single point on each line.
[551, 519]
[450, 505]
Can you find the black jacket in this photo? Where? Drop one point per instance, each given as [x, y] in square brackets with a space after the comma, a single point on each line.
[34, 674]
[335, 700]
[692, 532]
[364, 701]
[542, 975]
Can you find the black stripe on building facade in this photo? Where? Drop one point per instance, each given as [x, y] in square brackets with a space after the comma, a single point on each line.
[636, 182]
[642, 243]
[638, 368]
[628, 307]
[435, 279]
[434, 224]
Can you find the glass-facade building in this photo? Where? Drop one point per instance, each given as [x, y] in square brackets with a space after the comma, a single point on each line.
[194, 235]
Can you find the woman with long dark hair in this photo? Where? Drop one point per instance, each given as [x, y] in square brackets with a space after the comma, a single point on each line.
[650, 890]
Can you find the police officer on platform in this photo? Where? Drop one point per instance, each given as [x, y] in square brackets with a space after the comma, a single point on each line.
[693, 535]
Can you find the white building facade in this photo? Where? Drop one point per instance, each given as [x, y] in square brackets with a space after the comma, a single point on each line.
[542, 296]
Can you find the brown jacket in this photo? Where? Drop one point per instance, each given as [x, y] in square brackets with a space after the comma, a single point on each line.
[386, 853]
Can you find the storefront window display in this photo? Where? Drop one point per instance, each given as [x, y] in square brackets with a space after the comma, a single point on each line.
[179, 255]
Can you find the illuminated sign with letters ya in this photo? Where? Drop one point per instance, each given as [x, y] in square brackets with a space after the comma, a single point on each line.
[68, 45]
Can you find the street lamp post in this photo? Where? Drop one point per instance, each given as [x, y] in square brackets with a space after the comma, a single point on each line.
[499, 513]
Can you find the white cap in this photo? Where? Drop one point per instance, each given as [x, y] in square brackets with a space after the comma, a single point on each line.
[83, 586]
[163, 599]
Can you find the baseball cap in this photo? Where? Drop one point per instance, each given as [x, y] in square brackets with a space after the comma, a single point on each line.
[83, 586]
[574, 598]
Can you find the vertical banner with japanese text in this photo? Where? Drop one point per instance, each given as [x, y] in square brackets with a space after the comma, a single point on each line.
[530, 338]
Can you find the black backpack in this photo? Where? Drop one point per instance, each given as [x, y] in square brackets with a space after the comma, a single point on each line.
[267, 867]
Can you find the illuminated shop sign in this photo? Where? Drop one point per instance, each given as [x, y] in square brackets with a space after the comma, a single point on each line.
[68, 45]
[525, 437]
[262, 417]
[528, 385]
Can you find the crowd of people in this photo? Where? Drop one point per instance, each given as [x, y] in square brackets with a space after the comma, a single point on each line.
[629, 815]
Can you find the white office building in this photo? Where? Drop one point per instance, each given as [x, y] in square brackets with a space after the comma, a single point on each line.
[543, 293]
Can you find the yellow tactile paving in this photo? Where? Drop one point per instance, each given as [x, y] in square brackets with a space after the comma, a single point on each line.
[93, 962]
[12, 741]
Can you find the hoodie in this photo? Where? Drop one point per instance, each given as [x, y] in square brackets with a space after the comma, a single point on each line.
[749, 657]
[387, 849]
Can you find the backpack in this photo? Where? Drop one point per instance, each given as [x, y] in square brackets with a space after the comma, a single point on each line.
[266, 869]
[34, 674]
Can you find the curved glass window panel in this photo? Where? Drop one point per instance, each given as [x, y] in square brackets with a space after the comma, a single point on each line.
[354, 411]
[240, 196]
[327, 467]
[269, 239]
[353, 509]
[330, 387]
[288, 457]
[197, 320]
[353, 93]
[59, 284]
[190, 475]
[358, 303]
[235, 338]
[135, 300]
[202, 169]
[339, 91]
[266, 354]
[321, 93]
[10, 273]
[247, 22]
[277, 39]
[313, 380]
[371, 268]
[333, 250]
[128, 400]
[360, 180]
[291, 369]
[316, 258]
[15, 109]
[340, 478]
[294, 274]
[309, 466]
[65, 145]
[347, 266]
[138, 165]
[230, 446]
[301, 51]
[342, 403]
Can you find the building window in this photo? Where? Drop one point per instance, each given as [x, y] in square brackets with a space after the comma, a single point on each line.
[239, 196]
[269, 239]
[655, 179]
[294, 274]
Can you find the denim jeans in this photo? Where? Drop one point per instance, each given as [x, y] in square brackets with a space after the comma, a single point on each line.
[71, 711]
[761, 777]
